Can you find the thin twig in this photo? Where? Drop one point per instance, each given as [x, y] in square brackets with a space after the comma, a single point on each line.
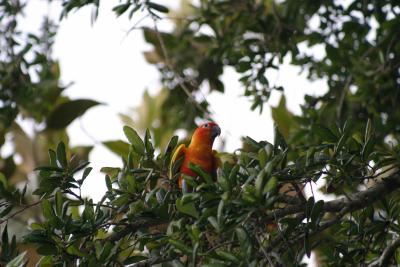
[20, 211]
[150, 262]
[179, 78]
[136, 24]
[134, 226]
[387, 254]
[218, 246]
[85, 131]
[266, 255]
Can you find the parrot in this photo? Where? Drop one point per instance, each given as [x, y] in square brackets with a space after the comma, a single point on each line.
[199, 152]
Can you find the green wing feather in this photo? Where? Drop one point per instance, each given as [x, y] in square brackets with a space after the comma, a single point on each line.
[178, 153]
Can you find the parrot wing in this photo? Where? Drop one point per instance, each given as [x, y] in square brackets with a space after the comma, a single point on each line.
[178, 153]
[217, 159]
[216, 164]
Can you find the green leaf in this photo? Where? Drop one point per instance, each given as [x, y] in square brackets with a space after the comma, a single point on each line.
[36, 226]
[5, 208]
[148, 145]
[53, 158]
[316, 212]
[324, 133]
[244, 241]
[227, 255]
[224, 183]
[46, 261]
[214, 223]
[133, 259]
[62, 155]
[341, 141]
[118, 147]
[38, 236]
[220, 212]
[271, 186]
[85, 174]
[189, 197]
[262, 178]
[249, 194]
[309, 206]
[47, 249]
[106, 251]
[170, 148]
[120, 9]
[49, 168]
[18, 261]
[112, 172]
[279, 139]
[59, 202]
[48, 211]
[66, 112]
[283, 118]
[262, 157]
[194, 251]
[199, 171]
[108, 183]
[88, 212]
[368, 131]
[73, 250]
[260, 182]
[134, 139]
[180, 246]
[233, 175]
[307, 246]
[121, 200]
[131, 158]
[188, 208]
[368, 147]
[4, 239]
[160, 8]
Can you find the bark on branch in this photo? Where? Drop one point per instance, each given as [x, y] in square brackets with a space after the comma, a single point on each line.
[340, 206]
[353, 202]
[150, 262]
[387, 254]
[134, 226]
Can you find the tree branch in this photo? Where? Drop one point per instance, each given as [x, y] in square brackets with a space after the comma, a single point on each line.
[342, 206]
[134, 226]
[387, 254]
[150, 262]
[266, 255]
[168, 63]
[354, 202]
[20, 211]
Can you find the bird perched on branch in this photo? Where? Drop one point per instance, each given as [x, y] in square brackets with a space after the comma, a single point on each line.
[199, 152]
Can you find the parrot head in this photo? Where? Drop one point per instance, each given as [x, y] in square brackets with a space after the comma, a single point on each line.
[206, 133]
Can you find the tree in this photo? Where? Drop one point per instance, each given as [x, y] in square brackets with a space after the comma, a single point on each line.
[255, 214]
[30, 94]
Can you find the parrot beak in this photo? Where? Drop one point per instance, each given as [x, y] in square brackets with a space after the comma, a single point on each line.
[215, 131]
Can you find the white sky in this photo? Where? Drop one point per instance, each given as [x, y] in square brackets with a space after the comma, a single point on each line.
[107, 65]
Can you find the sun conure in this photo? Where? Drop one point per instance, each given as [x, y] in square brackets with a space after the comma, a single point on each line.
[199, 151]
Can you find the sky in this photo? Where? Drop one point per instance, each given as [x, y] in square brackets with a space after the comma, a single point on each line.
[106, 63]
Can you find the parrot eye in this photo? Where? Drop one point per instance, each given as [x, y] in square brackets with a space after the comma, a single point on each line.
[206, 125]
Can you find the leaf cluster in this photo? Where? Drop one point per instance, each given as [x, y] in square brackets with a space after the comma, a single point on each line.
[254, 214]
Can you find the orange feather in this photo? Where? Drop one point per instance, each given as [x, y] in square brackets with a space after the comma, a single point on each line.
[199, 151]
